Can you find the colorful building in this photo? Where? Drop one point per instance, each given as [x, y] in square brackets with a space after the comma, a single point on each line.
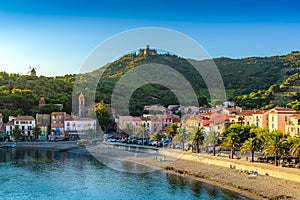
[278, 117]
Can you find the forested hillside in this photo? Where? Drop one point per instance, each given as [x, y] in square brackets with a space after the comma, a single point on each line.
[249, 81]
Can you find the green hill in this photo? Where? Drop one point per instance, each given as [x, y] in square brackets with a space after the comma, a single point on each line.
[243, 79]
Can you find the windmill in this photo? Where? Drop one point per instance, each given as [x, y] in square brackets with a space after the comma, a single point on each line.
[32, 71]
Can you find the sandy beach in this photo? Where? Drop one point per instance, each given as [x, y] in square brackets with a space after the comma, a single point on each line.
[259, 187]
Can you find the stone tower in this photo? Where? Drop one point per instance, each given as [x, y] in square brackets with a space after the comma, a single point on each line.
[81, 101]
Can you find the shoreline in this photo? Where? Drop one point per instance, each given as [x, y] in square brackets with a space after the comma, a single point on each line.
[260, 187]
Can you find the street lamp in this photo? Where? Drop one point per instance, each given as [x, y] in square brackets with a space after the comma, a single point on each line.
[144, 131]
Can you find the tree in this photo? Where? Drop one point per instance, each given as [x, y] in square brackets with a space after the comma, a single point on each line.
[90, 133]
[17, 132]
[181, 136]
[231, 138]
[36, 132]
[295, 148]
[171, 132]
[48, 109]
[231, 141]
[141, 131]
[128, 129]
[157, 136]
[197, 137]
[275, 144]
[103, 117]
[251, 145]
[211, 140]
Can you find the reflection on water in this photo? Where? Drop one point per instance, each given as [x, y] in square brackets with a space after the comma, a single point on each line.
[47, 174]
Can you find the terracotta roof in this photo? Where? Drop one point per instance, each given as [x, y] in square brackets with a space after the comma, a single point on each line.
[219, 119]
[177, 120]
[58, 113]
[297, 116]
[283, 109]
[246, 113]
[260, 111]
[30, 118]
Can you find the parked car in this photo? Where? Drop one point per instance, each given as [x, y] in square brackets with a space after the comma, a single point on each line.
[111, 140]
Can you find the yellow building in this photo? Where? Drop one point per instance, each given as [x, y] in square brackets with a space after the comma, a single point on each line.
[260, 118]
[292, 127]
[278, 117]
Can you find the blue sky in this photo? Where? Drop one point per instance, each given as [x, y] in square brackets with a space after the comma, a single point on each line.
[56, 36]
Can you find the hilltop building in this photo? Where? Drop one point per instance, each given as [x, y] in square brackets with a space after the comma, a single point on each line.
[32, 72]
[148, 51]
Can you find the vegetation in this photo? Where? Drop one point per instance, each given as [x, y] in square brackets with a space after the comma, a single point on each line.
[198, 137]
[251, 145]
[252, 82]
[275, 144]
[295, 148]
[103, 117]
[157, 136]
[17, 133]
[36, 132]
[172, 131]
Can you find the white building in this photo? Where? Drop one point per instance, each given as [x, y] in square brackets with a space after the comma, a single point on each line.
[25, 123]
[79, 126]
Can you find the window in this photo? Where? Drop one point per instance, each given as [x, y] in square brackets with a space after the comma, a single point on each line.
[272, 118]
[285, 118]
[272, 126]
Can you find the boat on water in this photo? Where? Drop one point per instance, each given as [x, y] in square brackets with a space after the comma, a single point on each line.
[8, 145]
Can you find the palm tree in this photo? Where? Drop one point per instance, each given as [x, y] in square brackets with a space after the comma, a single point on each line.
[128, 129]
[171, 132]
[251, 145]
[275, 144]
[17, 132]
[232, 141]
[181, 134]
[211, 140]
[36, 131]
[197, 137]
[157, 136]
[295, 148]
